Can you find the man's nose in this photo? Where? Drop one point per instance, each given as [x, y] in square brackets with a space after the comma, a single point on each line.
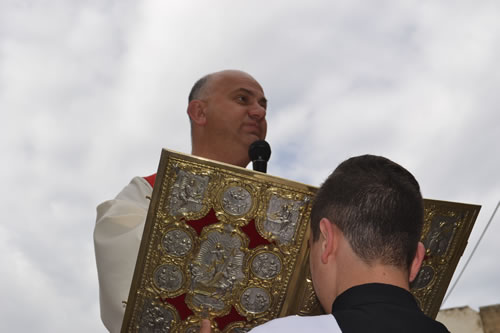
[257, 111]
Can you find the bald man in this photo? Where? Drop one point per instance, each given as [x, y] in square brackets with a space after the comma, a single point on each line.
[227, 111]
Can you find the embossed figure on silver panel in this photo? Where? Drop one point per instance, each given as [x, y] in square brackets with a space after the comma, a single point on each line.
[240, 330]
[424, 277]
[177, 242]
[255, 300]
[237, 329]
[155, 319]
[282, 217]
[440, 235]
[216, 269]
[266, 265]
[187, 193]
[193, 329]
[168, 277]
[236, 201]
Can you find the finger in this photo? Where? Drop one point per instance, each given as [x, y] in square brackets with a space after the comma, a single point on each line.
[205, 326]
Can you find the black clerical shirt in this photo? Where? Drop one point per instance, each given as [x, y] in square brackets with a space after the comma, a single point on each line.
[381, 308]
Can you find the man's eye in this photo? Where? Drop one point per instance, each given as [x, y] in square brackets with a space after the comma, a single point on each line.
[241, 99]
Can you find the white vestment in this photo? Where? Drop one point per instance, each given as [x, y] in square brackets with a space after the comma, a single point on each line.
[117, 236]
[297, 324]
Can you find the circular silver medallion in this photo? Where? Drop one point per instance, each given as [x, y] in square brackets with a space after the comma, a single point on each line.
[255, 300]
[168, 277]
[177, 242]
[236, 201]
[424, 277]
[237, 327]
[155, 319]
[193, 329]
[266, 265]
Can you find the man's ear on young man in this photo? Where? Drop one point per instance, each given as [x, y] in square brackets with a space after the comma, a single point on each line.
[417, 261]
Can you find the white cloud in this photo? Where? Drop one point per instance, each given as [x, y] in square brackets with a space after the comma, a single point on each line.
[91, 91]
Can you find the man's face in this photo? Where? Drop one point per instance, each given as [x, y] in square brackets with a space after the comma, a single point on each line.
[235, 111]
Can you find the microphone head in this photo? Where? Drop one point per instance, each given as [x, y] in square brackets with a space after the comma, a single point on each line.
[259, 150]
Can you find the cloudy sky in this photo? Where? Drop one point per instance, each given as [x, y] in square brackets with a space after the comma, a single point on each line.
[91, 91]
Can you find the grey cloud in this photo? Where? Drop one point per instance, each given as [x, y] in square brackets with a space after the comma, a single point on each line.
[90, 93]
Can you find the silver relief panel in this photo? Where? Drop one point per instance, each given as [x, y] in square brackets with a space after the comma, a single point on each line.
[266, 265]
[187, 193]
[155, 319]
[282, 217]
[168, 277]
[440, 235]
[255, 300]
[424, 277]
[177, 242]
[236, 201]
[216, 269]
[193, 329]
[240, 330]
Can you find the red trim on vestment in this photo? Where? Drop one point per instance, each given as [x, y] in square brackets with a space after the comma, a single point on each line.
[151, 179]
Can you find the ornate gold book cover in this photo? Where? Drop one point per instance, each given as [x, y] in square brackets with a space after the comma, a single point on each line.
[230, 244]
[447, 226]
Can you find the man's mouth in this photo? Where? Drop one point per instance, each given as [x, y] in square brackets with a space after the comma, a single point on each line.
[253, 128]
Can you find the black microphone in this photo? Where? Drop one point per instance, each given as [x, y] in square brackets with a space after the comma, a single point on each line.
[259, 153]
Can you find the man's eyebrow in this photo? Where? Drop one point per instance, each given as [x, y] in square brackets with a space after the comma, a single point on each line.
[244, 90]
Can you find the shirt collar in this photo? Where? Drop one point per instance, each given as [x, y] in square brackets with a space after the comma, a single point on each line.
[373, 293]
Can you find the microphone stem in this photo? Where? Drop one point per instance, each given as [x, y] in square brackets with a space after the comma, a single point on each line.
[260, 165]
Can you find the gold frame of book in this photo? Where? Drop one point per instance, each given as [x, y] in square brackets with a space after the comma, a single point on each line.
[231, 244]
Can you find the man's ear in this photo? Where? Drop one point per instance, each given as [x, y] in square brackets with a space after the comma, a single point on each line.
[417, 261]
[197, 112]
[328, 239]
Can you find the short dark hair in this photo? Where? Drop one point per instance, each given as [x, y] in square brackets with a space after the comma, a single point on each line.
[198, 87]
[378, 206]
